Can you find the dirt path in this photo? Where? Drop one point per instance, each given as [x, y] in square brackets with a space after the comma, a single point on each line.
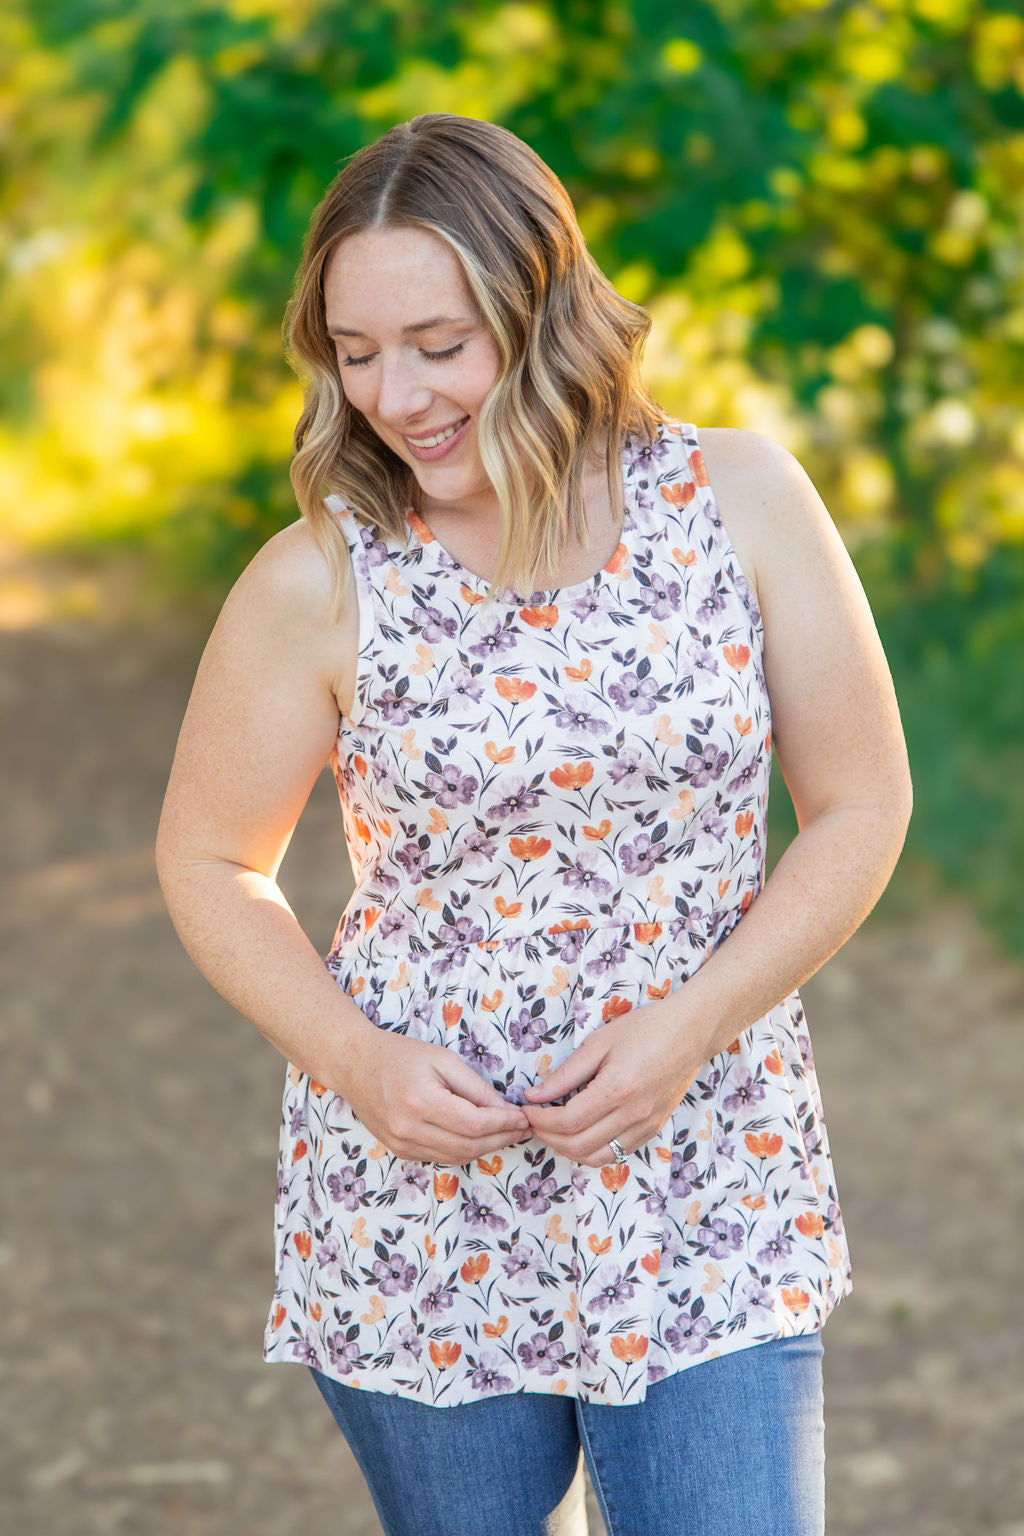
[135, 1226]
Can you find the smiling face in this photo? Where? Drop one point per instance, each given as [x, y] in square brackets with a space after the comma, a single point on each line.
[415, 357]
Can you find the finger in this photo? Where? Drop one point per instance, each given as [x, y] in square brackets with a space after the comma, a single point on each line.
[455, 1116]
[574, 1071]
[593, 1145]
[594, 1103]
[461, 1080]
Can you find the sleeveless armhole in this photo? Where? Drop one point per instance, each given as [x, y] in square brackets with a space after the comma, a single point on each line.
[720, 534]
[365, 602]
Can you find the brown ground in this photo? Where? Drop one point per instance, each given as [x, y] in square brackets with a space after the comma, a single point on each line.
[136, 1225]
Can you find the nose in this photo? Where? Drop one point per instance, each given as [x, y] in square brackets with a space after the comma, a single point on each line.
[401, 397]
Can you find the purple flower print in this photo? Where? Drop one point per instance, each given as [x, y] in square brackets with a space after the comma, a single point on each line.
[701, 656]
[526, 1031]
[724, 1147]
[641, 856]
[432, 626]
[476, 1053]
[758, 1295]
[688, 1333]
[394, 1274]
[712, 601]
[655, 1373]
[588, 1349]
[342, 1351]
[777, 1248]
[681, 1176]
[413, 1178]
[569, 945]
[663, 597]
[487, 1377]
[695, 922]
[437, 1296]
[413, 860]
[521, 1263]
[476, 848]
[742, 586]
[613, 1289]
[541, 1354]
[749, 773]
[580, 1177]
[583, 876]
[392, 924]
[516, 799]
[708, 764]
[478, 1213]
[745, 1092]
[409, 1346]
[306, 1350]
[657, 1201]
[725, 1237]
[394, 709]
[535, 1194]
[346, 1189]
[328, 1256]
[464, 686]
[494, 640]
[451, 787]
[464, 930]
[295, 1120]
[710, 827]
[671, 1244]
[636, 694]
[834, 1219]
[593, 604]
[626, 767]
[609, 957]
[576, 715]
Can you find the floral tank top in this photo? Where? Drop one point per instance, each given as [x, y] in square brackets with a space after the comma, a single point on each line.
[555, 811]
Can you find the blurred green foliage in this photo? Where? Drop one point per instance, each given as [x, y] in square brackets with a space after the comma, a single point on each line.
[821, 204]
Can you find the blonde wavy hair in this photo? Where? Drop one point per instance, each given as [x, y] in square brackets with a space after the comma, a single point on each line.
[570, 345]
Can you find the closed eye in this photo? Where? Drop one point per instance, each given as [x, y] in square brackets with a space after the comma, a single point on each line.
[434, 357]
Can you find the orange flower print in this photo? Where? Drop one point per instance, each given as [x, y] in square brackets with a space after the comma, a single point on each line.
[764, 1145]
[582, 672]
[496, 1329]
[469, 596]
[646, 933]
[499, 754]
[571, 925]
[507, 908]
[744, 822]
[652, 1261]
[755, 1202]
[490, 1165]
[444, 1355]
[475, 1268]
[631, 1348]
[299, 1151]
[810, 1224]
[359, 764]
[617, 560]
[429, 1246]
[595, 834]
[451, 1012]
[437, 821]
[446, 1186]
[795, 1300]
[679, 495]
[303, 1244]
[736, 656]
[316, 1311]
[659, 989]
[541, 617]
[734, 1048]
[685, 556]
[516, 690]
[492, 1003]
[280, 1313]
[614, 1175]
[615, 1007]
[529, 847]
[572, 775]
[597, 1244]
[696, 459]
[773, 1063]
[361, 828]
[742, 725]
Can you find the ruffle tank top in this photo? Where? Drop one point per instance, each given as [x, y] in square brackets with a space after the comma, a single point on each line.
[555, 810]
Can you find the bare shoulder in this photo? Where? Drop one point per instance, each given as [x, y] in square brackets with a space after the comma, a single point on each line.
[284, 596]
[753, 479]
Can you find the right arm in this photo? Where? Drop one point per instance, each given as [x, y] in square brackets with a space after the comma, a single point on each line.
[260, 724]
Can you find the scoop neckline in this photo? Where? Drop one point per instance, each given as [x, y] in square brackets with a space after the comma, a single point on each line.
[538, 597]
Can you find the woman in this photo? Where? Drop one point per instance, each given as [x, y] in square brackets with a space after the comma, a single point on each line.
[553, 1169]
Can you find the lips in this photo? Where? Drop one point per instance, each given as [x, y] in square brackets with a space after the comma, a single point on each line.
[417, 441]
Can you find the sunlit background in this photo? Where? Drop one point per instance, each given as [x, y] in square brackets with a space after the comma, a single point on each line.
[822, 207]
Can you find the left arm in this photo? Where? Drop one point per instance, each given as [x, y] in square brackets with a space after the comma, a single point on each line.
[837, 734]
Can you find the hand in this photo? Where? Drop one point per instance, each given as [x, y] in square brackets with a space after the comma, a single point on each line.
[425, 1103]
[637, 1069]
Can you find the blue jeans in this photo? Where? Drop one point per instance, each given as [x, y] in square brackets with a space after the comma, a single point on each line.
[733, 1446]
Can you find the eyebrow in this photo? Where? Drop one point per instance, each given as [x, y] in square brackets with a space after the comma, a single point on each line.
[420, 325]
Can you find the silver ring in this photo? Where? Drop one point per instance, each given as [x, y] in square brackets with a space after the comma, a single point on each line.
[621, 1155]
